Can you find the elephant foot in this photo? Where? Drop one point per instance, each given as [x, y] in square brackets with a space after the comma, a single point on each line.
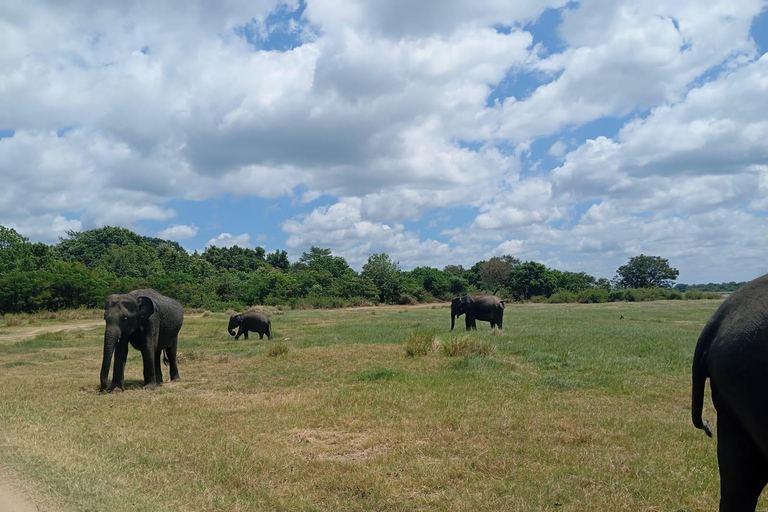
[176, 378]
[150, 385]
[113, 387]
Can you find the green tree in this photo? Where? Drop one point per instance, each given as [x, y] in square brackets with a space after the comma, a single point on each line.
[646, 272]
[16, 253]
[279, 259]
[529, 279]
[495, 271]
[385, 274]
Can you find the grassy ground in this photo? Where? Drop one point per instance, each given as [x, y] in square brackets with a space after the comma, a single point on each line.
[577, 407]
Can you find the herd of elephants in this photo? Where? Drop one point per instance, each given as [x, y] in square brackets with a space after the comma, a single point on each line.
[732, 351]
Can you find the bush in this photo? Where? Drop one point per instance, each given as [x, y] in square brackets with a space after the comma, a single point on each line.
[538, 299]
[466, 345]
[419, 343]
[406, 299]
[562, 296]
[592, 296]
[277, 349]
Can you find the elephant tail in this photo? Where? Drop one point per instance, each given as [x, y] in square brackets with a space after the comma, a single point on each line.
[165, 357]
[699, 374]
[502, 304]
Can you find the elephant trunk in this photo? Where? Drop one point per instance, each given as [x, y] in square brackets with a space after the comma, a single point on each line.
[231, 331]
[111, 337]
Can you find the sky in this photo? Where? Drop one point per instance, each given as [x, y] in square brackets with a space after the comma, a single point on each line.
[575, 134]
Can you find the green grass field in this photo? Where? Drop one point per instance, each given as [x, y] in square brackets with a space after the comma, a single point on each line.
[574, 409]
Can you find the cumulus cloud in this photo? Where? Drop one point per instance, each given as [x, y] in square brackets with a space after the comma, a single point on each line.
[394, 112]
[225, 240]
[179, 232]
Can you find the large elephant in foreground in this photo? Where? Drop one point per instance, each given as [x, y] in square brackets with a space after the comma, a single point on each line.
[733, 352]
[254, 321]
[488, 308]
[150, 322]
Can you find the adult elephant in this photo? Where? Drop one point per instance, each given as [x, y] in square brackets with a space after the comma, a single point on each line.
[254, 321]
[733, 352]
[150, 322]
[488, 308]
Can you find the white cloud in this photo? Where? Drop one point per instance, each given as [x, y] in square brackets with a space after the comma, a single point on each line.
[120, 108]
[178, 232]
[229, 240]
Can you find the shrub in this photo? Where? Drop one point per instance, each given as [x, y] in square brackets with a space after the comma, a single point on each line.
[407, 299]
[562, 296]
[466, 345]
[277, 349]
[538, 299]
[419, 343]
[592, 296]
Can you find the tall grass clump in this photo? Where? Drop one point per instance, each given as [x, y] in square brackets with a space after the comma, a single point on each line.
[277, 349]
[419, 343]
[466, 345]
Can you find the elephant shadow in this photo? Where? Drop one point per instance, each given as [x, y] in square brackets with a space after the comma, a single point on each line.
[133, 384]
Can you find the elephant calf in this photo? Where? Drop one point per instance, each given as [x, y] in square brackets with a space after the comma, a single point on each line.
[254, 321]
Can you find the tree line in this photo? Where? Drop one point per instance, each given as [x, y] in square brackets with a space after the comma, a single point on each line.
[84, 267]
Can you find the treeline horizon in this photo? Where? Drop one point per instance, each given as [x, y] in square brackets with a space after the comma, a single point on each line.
[85, 267]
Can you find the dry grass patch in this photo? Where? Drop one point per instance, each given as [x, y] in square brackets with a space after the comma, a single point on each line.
[277, 349]
[420, 343]
[466, 346]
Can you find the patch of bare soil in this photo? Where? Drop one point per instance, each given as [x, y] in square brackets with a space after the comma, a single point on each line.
[14, 495]
[14, 334]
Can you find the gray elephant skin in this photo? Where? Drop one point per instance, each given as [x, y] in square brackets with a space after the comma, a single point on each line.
[150, 322]
[488, 308]
[733, 352]
[253, 321]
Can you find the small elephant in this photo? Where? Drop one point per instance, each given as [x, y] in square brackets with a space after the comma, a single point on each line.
[254, 321]
[488, 308]
[733, 352]
[150, 322]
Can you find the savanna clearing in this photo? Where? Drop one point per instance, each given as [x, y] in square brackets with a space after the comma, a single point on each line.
[577, 407]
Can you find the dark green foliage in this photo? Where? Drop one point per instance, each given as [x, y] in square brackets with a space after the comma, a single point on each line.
[646, 272]
[531, 278]
[385, 274]
[82, 269]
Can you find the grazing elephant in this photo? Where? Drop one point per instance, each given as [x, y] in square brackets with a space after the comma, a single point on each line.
[150, 322]
[488, 308]
[733, 352]
[254, 321]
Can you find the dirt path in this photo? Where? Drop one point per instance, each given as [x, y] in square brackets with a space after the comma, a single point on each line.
[13, 334]
[11, 500]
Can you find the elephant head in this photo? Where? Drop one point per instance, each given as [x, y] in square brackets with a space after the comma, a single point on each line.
[458, 308]
[124, 315]
[234, 321]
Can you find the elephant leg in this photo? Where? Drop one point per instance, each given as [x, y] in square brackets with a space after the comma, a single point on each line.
[118, 375]
[173, 363]
[240, 331]
[493, 324]
[245, 333]
[261, 335]
[743, 469]
[148, 355]
[468, 322]
[499, 323]
[158, 366]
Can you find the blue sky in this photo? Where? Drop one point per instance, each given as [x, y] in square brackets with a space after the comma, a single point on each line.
[576, 134]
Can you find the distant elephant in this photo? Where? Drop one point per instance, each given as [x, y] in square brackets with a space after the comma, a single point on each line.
[488, 308]
[254, 321]
[150, 322]
[733, 352]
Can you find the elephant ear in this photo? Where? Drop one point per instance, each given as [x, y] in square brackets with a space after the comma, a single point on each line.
[146, 307]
